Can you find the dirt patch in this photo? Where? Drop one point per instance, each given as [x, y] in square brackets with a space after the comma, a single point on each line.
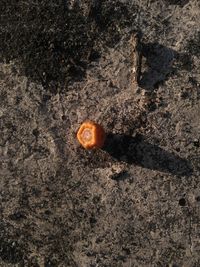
[136, 201]
[54, 43]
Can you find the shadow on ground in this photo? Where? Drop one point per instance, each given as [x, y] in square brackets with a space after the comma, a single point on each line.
[136, 150]
[161, 62]
[181, 3]
[53, 43]
[158, 65]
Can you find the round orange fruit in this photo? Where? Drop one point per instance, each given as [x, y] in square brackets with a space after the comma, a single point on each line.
[91, 135]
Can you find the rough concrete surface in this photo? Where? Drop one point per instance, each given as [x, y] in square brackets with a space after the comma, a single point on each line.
[136, 202]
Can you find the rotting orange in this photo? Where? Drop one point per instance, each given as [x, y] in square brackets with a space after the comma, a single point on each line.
[91, 135]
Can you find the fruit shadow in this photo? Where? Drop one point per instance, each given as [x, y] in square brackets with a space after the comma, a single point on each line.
[136, 150]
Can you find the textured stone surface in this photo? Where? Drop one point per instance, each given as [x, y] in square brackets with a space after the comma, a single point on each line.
[137, 201]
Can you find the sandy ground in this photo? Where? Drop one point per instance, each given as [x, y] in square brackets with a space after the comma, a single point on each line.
[136, 202]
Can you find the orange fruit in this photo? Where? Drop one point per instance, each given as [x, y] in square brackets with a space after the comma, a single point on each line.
[91, 135]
